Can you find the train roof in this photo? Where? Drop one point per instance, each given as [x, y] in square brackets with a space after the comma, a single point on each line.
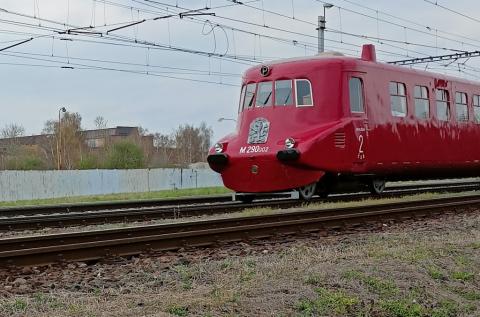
[368, 59]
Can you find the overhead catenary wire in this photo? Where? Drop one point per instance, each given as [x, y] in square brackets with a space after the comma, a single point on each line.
[453, 11]
[122, 40]
[416, 23]
[74, 65]
[267, 27]
[356, 12]
[255, 58]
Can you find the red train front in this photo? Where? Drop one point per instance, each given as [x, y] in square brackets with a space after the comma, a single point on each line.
[291, 127]
[309, 123]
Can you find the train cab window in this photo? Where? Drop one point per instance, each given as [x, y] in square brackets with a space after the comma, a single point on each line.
[283, 93]
[249, 95]
[461, 106]
[303, 90]
[398, 99]
[422, 105]
[242, 97]
[443, 111]
[264, 94]
[355, 88]
[476, 108]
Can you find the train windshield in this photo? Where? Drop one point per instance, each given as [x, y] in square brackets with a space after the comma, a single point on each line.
[304, 92]
[283, 93]
[249, 95]
[264, 94]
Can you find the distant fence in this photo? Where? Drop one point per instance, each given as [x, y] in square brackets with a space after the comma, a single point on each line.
[26, 185]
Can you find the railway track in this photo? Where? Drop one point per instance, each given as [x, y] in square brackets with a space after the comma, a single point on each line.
[176, 208]
[94, 245]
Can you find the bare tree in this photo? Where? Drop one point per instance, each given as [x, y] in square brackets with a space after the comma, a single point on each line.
[12, 130]
[10, 153]
[164, 145]
[192, 143]
[70, 142]
[100, 122]
[142, 131]
[206, 134]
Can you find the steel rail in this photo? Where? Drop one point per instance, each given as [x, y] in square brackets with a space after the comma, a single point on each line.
[188, 210]
[108, 205]
[66, 208]
[94, 245]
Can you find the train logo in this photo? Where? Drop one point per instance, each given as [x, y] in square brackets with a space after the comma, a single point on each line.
[265, 71]
[258, 132]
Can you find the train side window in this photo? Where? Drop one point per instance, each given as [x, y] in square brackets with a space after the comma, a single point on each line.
[398, 99]
[443, 111]
[264, 94]
[249, 95]
[461, 106]
[476, 108]
[303, 90]
[422, 104]
[242, 97]
[355, 88]
[283, 93]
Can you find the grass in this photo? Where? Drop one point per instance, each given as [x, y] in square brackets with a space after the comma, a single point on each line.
[328, 302]
[185, 275]
[445, 309]
[174, 193]
[435, 273]
[17, 306]
[402, 308]
[374, 284]
[463, 276]
[425, 269]
[418, 253]
[176, 310]
[466, 293]
[313, 279]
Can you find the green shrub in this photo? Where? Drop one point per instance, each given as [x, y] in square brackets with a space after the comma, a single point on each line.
[125, 155]
[25, 163]
[88, 162]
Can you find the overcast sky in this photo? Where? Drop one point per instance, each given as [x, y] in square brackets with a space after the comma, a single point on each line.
[126, 76]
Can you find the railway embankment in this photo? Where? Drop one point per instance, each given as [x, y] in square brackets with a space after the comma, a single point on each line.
[427, 267]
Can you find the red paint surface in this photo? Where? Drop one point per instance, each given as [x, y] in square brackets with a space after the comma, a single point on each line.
[393, 147]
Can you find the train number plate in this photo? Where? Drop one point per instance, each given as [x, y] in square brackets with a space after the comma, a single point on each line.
[253, 149]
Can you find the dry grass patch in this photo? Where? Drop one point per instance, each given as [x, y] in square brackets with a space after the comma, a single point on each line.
[425, 269]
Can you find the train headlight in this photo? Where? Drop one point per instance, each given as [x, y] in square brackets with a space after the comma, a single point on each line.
[289, 143]
[218, 147]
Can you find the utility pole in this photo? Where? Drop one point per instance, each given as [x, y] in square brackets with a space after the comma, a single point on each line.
[321, 28]
[59, 137]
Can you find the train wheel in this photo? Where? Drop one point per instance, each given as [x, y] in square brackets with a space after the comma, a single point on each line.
[325, 185]
[246, 199]
[377, 186]
[307, 192]
[323, 190]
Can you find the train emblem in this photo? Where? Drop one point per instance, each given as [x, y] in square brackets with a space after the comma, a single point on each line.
[258, 132]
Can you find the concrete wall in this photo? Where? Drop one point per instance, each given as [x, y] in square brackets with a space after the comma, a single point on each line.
[25, 185]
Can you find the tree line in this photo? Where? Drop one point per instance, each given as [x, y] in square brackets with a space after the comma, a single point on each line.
[68, 146]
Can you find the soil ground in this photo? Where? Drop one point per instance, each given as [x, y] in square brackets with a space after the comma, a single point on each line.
[423, 268]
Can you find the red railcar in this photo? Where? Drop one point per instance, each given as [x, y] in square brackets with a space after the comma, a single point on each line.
[311, 123]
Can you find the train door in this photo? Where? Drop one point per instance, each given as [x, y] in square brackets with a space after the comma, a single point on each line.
[358, 110]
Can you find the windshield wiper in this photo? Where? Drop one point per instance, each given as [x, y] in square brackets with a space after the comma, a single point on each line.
[268, 98]
[286, 99]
